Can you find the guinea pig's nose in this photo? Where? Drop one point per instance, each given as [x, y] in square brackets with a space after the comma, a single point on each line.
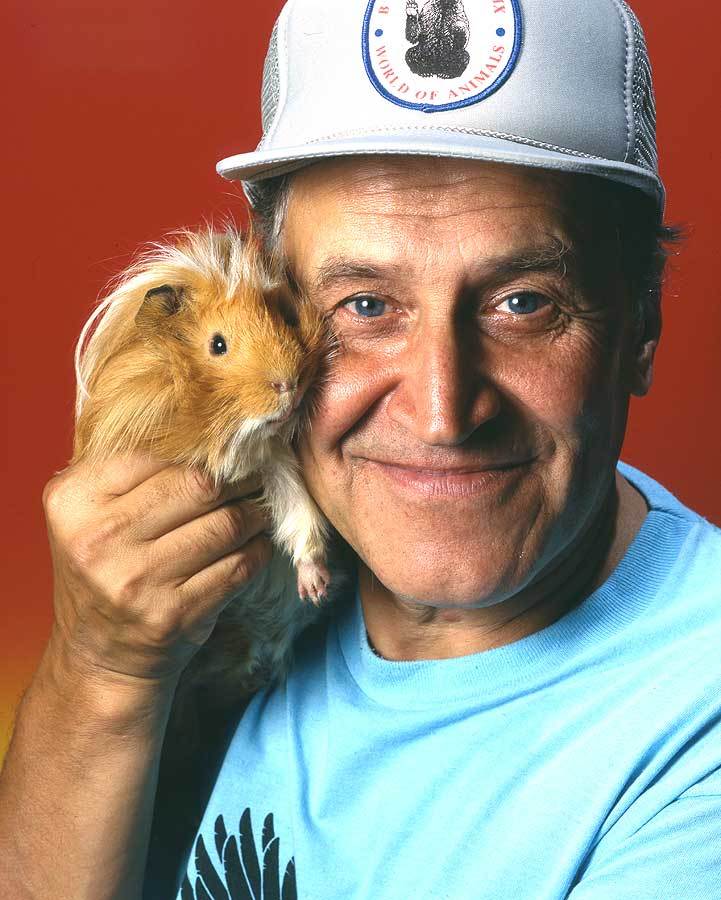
[284, 387]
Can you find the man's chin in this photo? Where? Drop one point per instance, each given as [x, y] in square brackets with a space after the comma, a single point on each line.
[441, 585]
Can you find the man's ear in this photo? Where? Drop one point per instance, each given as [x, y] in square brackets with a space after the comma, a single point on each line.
[643, 374]
[158, 304]
[644, 353]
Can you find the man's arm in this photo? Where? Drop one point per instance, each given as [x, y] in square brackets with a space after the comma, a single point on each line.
[78, 784]
[145, 557]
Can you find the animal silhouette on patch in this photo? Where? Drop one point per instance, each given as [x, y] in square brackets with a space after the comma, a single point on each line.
[440, 34]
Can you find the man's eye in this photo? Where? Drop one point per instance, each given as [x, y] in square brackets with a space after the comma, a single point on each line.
[366, 305]
[524, 303]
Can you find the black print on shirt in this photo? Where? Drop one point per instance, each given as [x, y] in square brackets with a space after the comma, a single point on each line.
[242, 877]
[440, 33]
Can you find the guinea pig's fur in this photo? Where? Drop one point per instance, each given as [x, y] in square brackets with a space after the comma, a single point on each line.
[148, 377]
[201, 356]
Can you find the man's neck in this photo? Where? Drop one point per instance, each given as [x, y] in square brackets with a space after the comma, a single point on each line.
[401, 629]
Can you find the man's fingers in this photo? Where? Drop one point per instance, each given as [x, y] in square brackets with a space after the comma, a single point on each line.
[175, 496]
[196, 545]
[120, 474]
[80, 491]
[229, 574]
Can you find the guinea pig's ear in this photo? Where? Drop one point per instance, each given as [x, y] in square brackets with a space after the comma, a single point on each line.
[158, 304]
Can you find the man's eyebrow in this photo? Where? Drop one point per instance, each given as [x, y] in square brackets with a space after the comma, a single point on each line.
[556, 256]
[338, 269]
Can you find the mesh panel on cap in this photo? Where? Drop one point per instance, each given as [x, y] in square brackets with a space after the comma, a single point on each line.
[643, 152]
[270, 92]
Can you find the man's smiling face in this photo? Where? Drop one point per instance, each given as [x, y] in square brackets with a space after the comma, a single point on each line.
[470, 425]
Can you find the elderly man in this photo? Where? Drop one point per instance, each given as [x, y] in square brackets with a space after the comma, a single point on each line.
[519, 697]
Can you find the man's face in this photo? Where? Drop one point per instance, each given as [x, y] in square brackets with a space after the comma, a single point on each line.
[472, 418]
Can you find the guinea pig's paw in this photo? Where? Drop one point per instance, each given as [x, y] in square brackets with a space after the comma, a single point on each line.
[313, 581]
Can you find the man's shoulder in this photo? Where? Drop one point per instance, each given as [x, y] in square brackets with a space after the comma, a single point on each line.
[671, 579]
[661, 498]
[698, 540]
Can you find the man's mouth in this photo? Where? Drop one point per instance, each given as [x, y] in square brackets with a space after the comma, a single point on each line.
[462, 468]
[446, 480]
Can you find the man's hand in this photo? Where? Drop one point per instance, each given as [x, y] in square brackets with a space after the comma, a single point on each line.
[145, 557]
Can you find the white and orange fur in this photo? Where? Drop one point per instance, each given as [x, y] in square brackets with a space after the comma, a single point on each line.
[152, 376]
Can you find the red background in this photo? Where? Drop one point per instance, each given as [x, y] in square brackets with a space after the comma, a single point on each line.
[114, 114]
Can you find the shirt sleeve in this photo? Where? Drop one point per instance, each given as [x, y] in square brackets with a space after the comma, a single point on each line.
[677, 853]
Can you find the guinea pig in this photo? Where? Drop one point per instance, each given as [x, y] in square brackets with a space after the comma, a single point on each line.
[201, 356]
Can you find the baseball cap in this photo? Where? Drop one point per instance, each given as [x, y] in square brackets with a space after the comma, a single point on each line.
[563, 85]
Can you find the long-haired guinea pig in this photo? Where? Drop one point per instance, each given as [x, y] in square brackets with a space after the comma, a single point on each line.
[200, 356]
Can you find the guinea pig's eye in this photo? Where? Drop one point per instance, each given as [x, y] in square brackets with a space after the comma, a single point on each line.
[217, 345]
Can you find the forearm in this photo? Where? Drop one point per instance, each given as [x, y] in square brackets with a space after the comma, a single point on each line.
[77, 788]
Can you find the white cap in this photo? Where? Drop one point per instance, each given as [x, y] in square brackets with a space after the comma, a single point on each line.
[562, 85]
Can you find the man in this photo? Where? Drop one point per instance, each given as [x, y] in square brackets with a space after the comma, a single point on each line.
[521, 698]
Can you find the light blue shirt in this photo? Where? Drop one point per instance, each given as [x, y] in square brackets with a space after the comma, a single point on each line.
[581, 761]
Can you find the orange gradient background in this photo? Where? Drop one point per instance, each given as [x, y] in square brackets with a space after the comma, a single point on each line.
[114, 114]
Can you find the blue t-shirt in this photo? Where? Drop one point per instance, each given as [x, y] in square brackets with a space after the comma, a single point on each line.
[582, 761]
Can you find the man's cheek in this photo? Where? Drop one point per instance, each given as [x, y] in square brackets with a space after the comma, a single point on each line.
[572, 382]
[353, 388]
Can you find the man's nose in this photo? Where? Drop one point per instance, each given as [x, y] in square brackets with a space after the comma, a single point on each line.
[443, 394]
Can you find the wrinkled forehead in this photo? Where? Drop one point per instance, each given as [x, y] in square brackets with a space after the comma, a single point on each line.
[430, 175]
[409, 205]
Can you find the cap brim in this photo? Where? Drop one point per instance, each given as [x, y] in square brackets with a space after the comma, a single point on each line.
[262, 164]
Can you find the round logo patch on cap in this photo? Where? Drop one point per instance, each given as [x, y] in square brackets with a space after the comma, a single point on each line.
[435, 55]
